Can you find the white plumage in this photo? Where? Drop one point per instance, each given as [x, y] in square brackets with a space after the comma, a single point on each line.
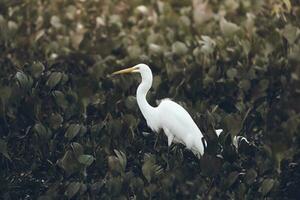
[169, 116]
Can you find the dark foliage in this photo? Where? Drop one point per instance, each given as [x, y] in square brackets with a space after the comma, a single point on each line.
[70, 131]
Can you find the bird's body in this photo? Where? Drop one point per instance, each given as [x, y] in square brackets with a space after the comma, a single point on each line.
[180, 127]
[169, 116]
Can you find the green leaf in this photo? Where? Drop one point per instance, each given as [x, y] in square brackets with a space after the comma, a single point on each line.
[155, 49]
[55, 121]
[150, 169]
[41, 131]
[12, 26]
[72, 189]
[37, 69]
[263, 84]
[69, 163]
[54, 79]
[5, 93]
[60, 99]
[85, 159]
[231, 73]
[246, 45]
[156, 82]
[64, 78]
[3, 149]
[250, 176]
[130, 120]
[290, 33]
[179, 48]
[55, 22]
[231, 179]
[115, 127]
[266, 186]
[77, 149]
[134, 51]
[83, 130]
[117, 163]
[146, 169]
[96, 128]
[72, 131]
[233, 123]
[228, 28]
[71, 12]
[121, 158]
[130, 103]
[24, 80]
[207, 45]
[245, 85]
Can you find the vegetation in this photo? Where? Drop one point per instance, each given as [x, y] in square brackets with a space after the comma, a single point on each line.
[68, 130]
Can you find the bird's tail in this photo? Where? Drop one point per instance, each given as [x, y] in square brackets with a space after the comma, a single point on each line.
[218, 131]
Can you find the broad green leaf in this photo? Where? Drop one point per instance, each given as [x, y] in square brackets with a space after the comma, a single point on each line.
[290, 33]
[37, 69]
[72, 131]
[77, 149]
[130, 103]
[55, 21]
[117, 163]
[121, 158]
[96, 128]
[150, 169]
[250, 176]
[85, 159]
[72, 189]
[228, 28]
[55, 121]
[54, 79]
[207, 45]
[245, 85]
[3, 149]
[41, 130]
[231, 179]
[5, 92]
[263, 84]
[155, 49]
[24, 80]
[130, 120]
[134, 51]
[266, 186]
[231, 73]
[60, 99]
[179, 48]
[69, 163]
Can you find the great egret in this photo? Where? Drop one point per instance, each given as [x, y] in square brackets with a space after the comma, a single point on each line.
[175, 121]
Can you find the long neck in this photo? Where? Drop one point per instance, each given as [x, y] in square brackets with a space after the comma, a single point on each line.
[145, 107]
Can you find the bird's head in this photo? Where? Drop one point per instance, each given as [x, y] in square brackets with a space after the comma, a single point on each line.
[143, 69]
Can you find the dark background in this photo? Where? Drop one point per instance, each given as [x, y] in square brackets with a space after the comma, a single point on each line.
[68, 130]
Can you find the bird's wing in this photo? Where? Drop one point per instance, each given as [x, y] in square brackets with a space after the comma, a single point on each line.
[180, 124]
[176, 118]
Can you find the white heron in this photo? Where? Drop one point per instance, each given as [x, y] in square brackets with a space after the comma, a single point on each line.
[175, 121]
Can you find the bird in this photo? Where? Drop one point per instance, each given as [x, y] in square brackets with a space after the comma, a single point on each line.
[169, 116]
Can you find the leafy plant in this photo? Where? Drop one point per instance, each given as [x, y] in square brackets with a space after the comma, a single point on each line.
[68, 130]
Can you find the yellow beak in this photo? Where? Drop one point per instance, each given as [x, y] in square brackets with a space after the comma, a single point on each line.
[124, 71]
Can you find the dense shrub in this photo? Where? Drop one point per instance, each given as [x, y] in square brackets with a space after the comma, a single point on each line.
[68, 130]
